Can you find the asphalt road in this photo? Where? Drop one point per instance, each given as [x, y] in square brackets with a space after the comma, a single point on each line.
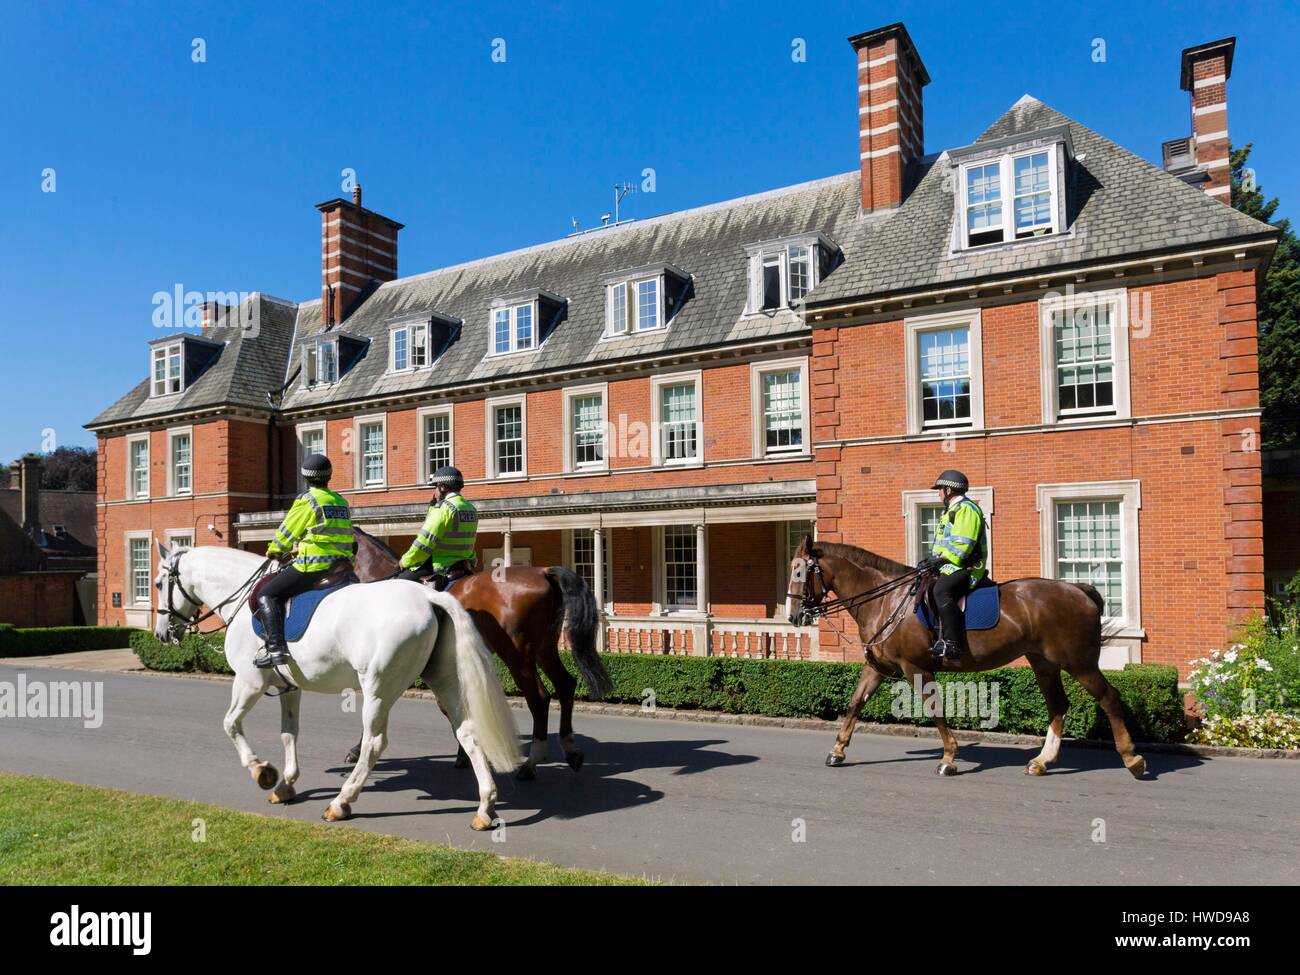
[700, 803]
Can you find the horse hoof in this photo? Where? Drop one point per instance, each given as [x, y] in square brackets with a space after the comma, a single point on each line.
[462, 761]
[832, 760]
[265, 775]
[1138, 766]
[944, 768]
[574, 758]
[353, 756]
[525, 773]
[282, 796]
[332, 815]
[1035, 768]
[480, 823]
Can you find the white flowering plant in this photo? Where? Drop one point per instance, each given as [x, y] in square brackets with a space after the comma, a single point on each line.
[1267, 729]
[1259, 673]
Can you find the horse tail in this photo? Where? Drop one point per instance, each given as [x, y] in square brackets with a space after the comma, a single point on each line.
[480, 689]
[581, 619]
[1104, 630]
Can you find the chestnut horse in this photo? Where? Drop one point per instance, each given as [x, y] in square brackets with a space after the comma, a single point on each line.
[518, 611]
[1055, 625]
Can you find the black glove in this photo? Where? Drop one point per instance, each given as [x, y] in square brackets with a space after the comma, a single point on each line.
[930, 563]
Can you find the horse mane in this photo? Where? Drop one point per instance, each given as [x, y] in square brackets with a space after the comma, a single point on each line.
[862, 558]
[378, 543]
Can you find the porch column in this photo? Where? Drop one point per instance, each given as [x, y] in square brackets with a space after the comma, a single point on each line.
[701, 569]
[598, 552]
[507, 549]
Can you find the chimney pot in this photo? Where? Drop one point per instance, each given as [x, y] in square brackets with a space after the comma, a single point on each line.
[890, 123]
[30, 481]
[356, 195]
[358, 250]
[1204, 73]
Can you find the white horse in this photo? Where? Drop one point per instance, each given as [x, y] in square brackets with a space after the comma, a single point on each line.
[375, 638]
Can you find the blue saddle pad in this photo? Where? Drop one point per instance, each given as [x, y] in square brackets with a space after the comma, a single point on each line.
[299, 613]
[983, 609]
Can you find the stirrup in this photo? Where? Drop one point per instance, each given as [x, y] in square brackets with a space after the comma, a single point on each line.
[267, 658]
[945, 650]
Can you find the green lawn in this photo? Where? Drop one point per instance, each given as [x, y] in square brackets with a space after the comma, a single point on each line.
[55, 832]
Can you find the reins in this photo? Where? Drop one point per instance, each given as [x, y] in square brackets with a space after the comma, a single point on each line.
[192, 625]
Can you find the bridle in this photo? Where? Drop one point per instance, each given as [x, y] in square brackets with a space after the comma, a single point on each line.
[178, 623]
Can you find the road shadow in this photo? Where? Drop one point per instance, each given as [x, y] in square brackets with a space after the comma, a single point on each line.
[974, 757]
[603, 784]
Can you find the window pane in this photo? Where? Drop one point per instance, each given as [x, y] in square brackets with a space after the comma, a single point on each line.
[772, 281]
[372, 453]
[524, 327]
[140, 570]
[800, 259]
[399, 348]
[1033, 196]
[437, 441]
[782, 410]
[647, 305]
[329, 363]
[618, 308]
[181, 462]
[140, 468]
[1083, 340]
[984, 203]
[584, 560]
[945, 375]
[679, 427]
[928, 526]
[1089, 548]
[588, 430]
[679, 566]
[419, 346]
[501, 330]
[510, 442]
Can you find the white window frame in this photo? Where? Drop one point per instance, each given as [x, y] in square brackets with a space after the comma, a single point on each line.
[657, 384]
[168, 378]
[784, 556]
[1006, 174]
[359, 462]
[129, 600]
[409, 330]
[131, 493]
[780, 250]
[299, 431]
[315, 346]
[1129, 495]
[570, 448]
[490, 407]
[171, 534]
[571, 562]
[1118, 298]
[421, 418]
[914, 501]
[662, 607]
[758, 431]
[173, 490]
[512, 312]
[629, 323]
[942, 321]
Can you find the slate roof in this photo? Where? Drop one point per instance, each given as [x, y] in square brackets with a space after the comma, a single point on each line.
[1121, 206]
[249, 365]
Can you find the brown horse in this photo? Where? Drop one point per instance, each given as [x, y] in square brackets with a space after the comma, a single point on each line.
[518, 611]
[1055, 625]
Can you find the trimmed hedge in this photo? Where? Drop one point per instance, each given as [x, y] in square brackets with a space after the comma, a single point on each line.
[804, 689]
[48, 640]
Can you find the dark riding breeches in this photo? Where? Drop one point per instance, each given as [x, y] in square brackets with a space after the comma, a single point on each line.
[948, 590]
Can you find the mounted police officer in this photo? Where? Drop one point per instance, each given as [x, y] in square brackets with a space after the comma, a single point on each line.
[319, 528]
[445, 543]
[959, 553]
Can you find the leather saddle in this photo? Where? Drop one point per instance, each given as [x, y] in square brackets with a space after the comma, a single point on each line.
[338, 574]
[981, 607]
[442, 581]
[301, 608]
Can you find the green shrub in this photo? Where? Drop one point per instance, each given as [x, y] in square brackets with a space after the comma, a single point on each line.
[48, 640]
[804, 689]
[1260, 672]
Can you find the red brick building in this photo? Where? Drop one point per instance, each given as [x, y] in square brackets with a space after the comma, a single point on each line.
[681, 398]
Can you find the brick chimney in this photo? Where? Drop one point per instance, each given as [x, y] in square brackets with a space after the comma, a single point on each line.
[29, 483]
[358, 251]
[1206, 69]
[890, 130]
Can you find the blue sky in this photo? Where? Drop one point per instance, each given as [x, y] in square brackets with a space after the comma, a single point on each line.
[205, 174]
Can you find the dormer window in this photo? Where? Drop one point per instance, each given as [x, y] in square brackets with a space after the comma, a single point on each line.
[327, 357]
[521, 322]
[168, 374]
[415, 342]
[643, 299]
[782, 272]
[1011, 191]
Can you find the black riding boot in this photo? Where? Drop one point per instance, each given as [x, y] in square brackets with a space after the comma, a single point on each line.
[948, 590]
[275, 652]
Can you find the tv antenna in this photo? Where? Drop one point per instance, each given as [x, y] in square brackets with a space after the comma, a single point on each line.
[621, 190]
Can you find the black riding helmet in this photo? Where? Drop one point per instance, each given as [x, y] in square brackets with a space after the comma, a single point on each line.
[317, 469]
[447, 477]
[952, 479]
